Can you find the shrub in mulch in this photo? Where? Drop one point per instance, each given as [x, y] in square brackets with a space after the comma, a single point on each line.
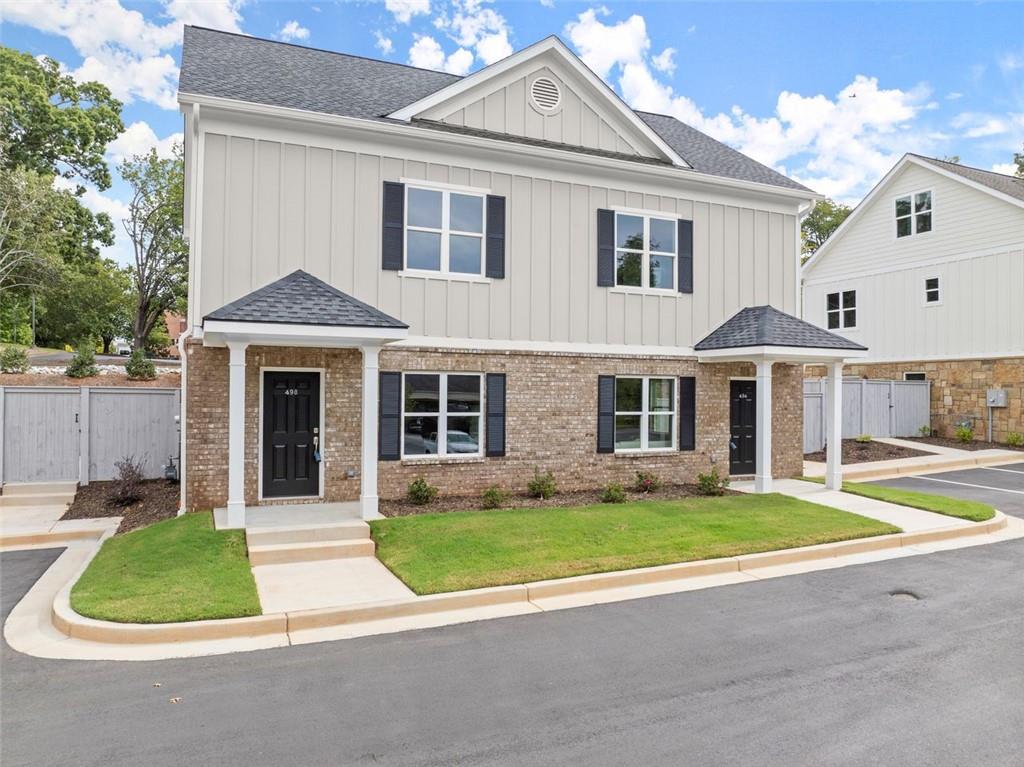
[157, 500]
[977, 444]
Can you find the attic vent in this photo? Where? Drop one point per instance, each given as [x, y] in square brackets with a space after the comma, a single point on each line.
[545, 93]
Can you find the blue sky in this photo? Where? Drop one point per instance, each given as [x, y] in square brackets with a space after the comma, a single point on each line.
[830, 93]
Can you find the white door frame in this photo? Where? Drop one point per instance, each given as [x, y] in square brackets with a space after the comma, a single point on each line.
[259, 435]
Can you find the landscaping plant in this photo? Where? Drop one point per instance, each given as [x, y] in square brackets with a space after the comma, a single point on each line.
[494, 498]
[127, 488]
[925, 431]
[542, 485]
[863, 439]
[420, 492]
[613, 493]
[964, 433]
[139, 367]
[1013, 439]
[646, 482]
[83, 364]
[712, 483]
[13, 360]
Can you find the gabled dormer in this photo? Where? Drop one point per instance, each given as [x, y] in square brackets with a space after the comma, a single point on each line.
[543, 93]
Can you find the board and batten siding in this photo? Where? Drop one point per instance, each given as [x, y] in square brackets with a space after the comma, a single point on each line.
[272, 206]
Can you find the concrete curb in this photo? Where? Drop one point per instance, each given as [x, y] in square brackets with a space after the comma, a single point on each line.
[64, 535]
[934, 465]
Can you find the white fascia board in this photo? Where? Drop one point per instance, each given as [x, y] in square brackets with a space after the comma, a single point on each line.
[799, 354]
[549, 44]
[219, 332]
[374, 129]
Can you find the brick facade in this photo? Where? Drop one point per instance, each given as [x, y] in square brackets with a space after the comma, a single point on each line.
[958, 391]
[551, 420]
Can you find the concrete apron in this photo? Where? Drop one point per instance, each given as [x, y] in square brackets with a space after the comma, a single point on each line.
[44, 625]
[920, 464]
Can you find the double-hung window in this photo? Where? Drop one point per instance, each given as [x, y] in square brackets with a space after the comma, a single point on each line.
[841, 309]
[914, 214]
[441, 414]
[645, 251]
[932, 294]
[645, 413]
[444, 231]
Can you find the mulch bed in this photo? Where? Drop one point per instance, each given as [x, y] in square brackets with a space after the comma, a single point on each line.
[973, 445]
[864, 452]
[166, 380]
[560, 500]
[159, 501]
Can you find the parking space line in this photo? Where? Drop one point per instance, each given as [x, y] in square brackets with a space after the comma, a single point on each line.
[999, 468]
[969, 484]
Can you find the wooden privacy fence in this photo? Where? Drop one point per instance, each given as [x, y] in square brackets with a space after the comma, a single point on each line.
[878, 408]
[53, 433]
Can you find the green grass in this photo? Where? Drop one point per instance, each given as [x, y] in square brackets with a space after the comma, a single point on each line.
[975, 511]
[434, 553]
[177, 570]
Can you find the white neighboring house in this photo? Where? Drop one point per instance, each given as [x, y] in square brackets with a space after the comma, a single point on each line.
[928, 273]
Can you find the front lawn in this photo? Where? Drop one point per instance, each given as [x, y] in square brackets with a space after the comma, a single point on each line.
[435, 553]
[180, 569]
[974, 511]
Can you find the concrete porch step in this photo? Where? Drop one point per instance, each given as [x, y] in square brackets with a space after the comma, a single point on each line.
[348, 530]
[40, 488]
[285, 553]
[36, 499]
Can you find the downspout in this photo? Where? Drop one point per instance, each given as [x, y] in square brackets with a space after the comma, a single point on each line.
[183, 420]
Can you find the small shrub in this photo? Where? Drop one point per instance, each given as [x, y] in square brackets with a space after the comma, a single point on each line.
[1015, 439]
[83, 364]
[139, 367]
[613, 493]
[494, 498]
[127, 488]
[13, 360]
[646, 482]
[964, 433]
[863, 439]
[925, 431]
[712, 483]
[420, 492]
[542, 485]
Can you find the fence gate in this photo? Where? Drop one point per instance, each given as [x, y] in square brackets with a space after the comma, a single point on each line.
[53, 433]
[877, 408]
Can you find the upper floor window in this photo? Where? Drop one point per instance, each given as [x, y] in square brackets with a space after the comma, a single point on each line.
[645, 251]
[444, 230]
[841, 309]
[441, 414]
[932, 294]
[645, 410]
[913, 214]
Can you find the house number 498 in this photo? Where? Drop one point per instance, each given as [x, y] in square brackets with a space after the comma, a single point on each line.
[291, 392]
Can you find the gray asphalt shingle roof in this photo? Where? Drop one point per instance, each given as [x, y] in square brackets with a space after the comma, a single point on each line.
[767, 326]
[301, 299]
[1008, 185]
[245, 68]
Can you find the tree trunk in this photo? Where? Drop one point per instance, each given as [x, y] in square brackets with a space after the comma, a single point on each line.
[107, 340]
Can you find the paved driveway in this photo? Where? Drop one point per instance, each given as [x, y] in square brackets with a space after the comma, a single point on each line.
[819, 669]
[999, 486]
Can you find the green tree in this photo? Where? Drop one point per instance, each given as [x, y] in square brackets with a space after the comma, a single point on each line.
[51, 124]
[155, 228]
[820, 223]
[1018, 160]
[90, 301]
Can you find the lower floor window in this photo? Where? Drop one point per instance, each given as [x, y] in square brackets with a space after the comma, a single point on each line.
[644, 413]
[914, 377]
[441, 414]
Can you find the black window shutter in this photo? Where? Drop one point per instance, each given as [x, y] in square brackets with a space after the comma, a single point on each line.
[687, 413]
[393, 236]
[606, 248]
[389, 443]
[495, 237]
[495, 414]
[606, 414]
[685, 256]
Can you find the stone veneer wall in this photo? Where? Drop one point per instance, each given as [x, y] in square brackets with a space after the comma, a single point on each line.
[551, 420]
[958, 390]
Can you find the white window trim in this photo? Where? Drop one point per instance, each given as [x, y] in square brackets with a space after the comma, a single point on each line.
[926, 302]
[842, 309]
[442, 418]
[913, 214]
[914, 372]
[646, 253]
[445, 231]
[645, 414]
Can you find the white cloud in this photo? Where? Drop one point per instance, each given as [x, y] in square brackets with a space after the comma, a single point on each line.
[138, 138]
[602, 46]
[293, 30]
[473, 25]
[1011, 62]
[1006, 168]
[404, 10]
[548, 3]
[459, 62]
[954, 95]
[121, 251]
[665, 61]
[427, 53]
[979, 124]
[384, 44]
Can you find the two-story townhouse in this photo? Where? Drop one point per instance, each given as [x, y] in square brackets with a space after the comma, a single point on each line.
[928, 272]
[398, 273]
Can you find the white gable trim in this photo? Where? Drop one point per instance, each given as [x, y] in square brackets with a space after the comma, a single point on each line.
[906, 160]
[549, 44]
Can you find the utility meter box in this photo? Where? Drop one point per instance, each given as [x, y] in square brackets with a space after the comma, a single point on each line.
[996, 398]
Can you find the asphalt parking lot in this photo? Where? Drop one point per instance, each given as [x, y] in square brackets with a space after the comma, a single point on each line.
[999, 486]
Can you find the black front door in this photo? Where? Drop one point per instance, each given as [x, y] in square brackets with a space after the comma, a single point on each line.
[291, 431]
[742, 426]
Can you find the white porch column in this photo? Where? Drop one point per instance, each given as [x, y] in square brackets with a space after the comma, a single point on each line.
[368, 501]
[763, 448]
[834, 405]
[236, 434]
